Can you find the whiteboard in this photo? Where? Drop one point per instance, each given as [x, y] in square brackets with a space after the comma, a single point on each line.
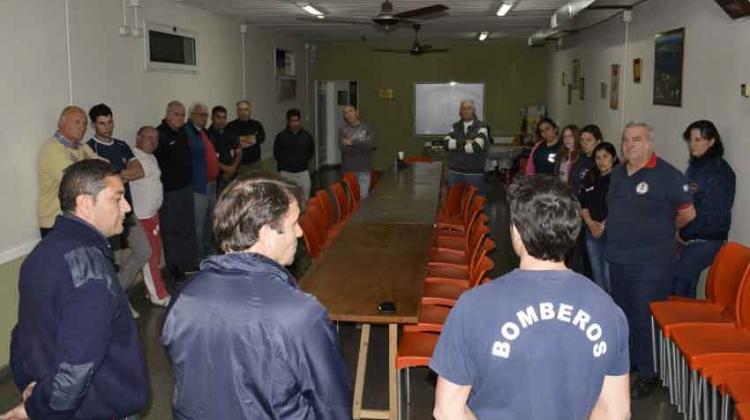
[436, 105]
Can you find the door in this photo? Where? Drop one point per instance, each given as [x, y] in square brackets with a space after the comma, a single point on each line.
[330, 98]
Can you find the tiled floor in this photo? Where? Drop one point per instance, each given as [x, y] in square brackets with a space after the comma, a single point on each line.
[656, 407]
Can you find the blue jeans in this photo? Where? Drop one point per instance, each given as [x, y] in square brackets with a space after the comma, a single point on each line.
[476, 180]
[364, 179]
[599, 265]
[634, 286]
[694, 258]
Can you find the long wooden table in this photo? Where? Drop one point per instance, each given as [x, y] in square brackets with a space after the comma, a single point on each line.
[380, 255]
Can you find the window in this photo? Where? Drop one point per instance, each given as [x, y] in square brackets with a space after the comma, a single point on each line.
[169, 48]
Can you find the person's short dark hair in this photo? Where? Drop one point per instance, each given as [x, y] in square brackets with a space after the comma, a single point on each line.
[246, 205]
[218, 108]
[547, 120]
[708, 131]
[546, 215]
[83, 177]
[294, 112]
[99, 110]
[594, 130]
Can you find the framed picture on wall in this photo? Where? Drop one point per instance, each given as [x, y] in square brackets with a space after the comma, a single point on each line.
[603, 90]
[570, 94]
[668, 59]
[576, 75]
[614, 87]
[637, 70]
[284, 63]
[581, 89]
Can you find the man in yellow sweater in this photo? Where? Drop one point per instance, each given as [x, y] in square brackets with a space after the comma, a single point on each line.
[64, 148]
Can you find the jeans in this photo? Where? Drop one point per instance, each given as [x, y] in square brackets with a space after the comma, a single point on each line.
[634, 286]
[693, 259]
[177, 218]
[204, 209]
[364, 179]
[599, 265]
[476, 180]
[302, 180]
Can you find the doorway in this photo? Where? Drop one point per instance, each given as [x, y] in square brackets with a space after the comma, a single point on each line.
[331, 96]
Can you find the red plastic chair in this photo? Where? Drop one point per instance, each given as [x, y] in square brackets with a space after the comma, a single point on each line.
[450, 208]
[324, 201]
[447, 292]
[315, 213]
[342, 201]
[312, 243]
[352, 184]
[456, 222]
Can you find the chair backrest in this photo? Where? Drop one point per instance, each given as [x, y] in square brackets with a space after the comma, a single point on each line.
[352, 184]
[484, 265]
[453, 200]
[469, 193]
[316, 213]
[415, 159]
[312, 243]
[726, 274]
[475, 206]
[324, 199]
[342, 201]
[742, 307]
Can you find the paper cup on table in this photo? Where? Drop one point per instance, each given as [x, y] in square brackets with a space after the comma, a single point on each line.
[400, 155]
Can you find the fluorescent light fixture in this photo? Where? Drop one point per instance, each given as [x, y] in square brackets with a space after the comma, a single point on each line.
[320, 16]
[504, 9]
[309, 8]
[452, 83]
[483, 35]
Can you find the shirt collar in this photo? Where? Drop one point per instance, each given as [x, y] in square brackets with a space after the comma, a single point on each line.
[651, 164]
[64, 141]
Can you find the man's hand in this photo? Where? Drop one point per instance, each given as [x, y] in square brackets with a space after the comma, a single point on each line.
[347, 140]
[27, 392]
[17, 413]
[596, 228]
[247, 141]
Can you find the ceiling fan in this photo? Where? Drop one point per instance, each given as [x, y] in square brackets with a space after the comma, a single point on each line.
[417, 48]
[386, 19]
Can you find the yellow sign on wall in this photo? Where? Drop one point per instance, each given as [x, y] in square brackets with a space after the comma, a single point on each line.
[385, 93]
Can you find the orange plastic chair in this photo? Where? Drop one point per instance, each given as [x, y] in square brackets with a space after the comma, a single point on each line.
[742, 411]
[324, 201]
[342, 201]
[462, 243]
[450, 208]
[723, 282]
[312, 243]
[474, 214]
[315, 213]
[459, 274]
[431, 319]
[352, 184]
[737, 387]
[440, 257]
[415, 159]
[414, 350]
[457, 222]
[447, 291]
[702, 344]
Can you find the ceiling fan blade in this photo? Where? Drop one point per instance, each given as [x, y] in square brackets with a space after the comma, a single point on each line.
[422, 13]
[341, 21]
[389, 50]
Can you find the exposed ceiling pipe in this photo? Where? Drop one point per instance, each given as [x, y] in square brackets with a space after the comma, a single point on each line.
[560, 21]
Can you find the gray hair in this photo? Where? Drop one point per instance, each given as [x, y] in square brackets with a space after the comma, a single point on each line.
[649, 129]
[468, 102]
[173, 104]
[197, 105]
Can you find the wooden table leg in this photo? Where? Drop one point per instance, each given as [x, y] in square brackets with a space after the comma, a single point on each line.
[392, 373]
[359, 379]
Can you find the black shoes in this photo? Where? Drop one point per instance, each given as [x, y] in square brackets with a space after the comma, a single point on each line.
[642, 388]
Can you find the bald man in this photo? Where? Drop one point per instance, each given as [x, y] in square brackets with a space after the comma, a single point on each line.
[64, 148]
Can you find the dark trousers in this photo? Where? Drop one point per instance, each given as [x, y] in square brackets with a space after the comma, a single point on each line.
[694, 258]
[177, 218]
[634, 286]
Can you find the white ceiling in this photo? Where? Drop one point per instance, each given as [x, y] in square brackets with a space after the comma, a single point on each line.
[465, 17]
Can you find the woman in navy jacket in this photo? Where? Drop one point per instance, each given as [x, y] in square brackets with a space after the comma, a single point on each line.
[712, 183]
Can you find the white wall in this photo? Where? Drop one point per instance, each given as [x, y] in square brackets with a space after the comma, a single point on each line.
[716, 64]
[109, 68]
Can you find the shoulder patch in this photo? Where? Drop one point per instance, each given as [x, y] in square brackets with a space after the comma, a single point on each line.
[88, 263]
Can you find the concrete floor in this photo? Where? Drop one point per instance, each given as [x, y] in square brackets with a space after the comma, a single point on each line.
[656, 407]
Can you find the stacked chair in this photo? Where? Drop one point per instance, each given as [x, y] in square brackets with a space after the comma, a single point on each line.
[702, 347]
[321, 223]
[458, 262]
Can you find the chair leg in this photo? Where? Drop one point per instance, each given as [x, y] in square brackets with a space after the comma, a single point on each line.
[714, 403]
[398, 393]
[705, 401]
[408, 386]
[672, 385]
[725, 407]
[653, 344]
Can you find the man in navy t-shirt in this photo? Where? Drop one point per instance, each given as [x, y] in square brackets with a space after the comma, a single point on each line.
[540, 342]
[647, 201]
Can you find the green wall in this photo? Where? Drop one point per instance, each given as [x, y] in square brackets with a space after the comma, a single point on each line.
[8, 305]
[514, 75]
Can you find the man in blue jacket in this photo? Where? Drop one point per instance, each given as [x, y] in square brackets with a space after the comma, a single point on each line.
[75, 351]
[245, 342]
